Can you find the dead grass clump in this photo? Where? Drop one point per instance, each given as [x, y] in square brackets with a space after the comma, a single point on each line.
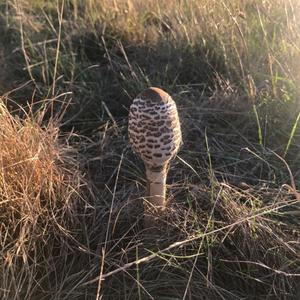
[39, 183]
[226, 244]
[244, 247]
[255, 255]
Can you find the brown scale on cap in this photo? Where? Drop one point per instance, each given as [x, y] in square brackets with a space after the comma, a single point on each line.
[154, 118]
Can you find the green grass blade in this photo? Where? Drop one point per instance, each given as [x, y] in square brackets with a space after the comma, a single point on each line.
[292, 135]
[259, 131]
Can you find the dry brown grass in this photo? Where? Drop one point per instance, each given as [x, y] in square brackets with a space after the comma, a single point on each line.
[39, 191]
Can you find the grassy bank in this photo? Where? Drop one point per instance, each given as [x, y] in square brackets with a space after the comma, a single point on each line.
[71, 188]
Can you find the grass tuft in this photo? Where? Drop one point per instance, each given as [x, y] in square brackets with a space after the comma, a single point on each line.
[40, 186]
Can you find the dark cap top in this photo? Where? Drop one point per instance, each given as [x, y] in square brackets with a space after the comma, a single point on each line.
[154, 94]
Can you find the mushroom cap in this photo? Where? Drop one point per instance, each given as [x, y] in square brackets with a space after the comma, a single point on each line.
[154, 128]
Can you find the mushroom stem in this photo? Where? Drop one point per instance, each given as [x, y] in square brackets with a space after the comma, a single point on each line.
[156, 194]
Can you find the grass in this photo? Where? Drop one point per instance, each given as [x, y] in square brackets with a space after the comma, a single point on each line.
[71, 188]
[40, 187]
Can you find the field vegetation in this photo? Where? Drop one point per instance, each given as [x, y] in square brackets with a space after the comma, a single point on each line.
[71, 188]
